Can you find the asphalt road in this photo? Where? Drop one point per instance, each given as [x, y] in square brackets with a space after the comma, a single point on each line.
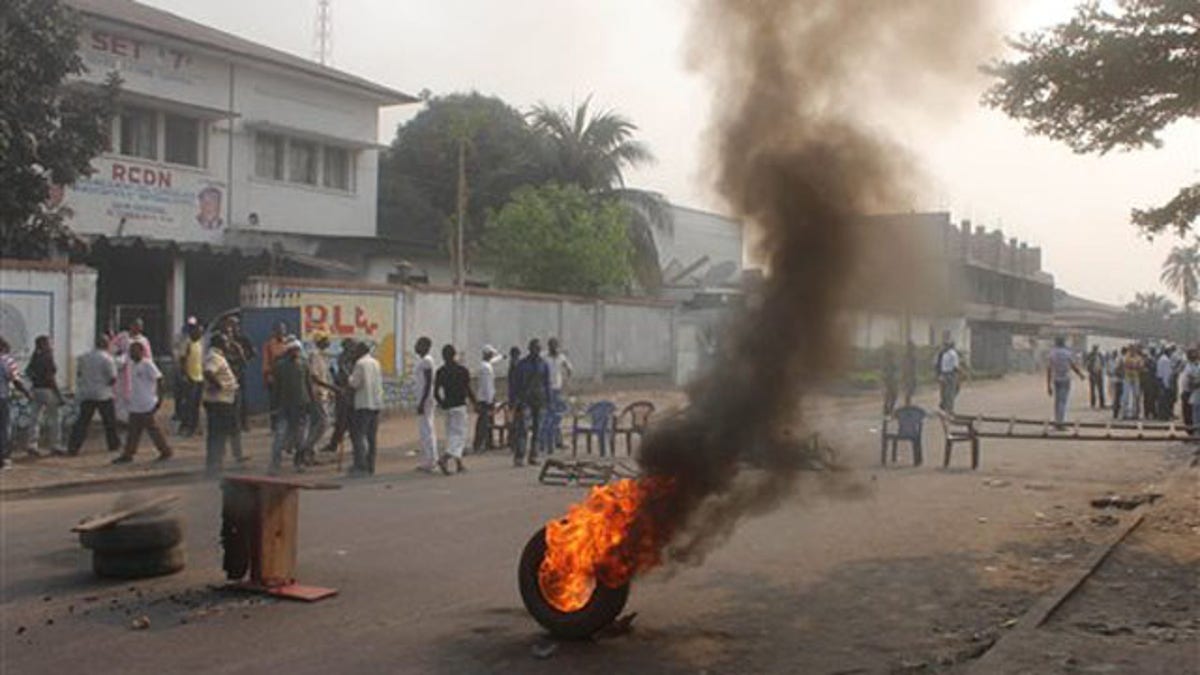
[873, 571]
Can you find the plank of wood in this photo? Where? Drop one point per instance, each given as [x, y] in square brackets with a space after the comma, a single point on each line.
[994, 661]
[282, 482]
[115, 517]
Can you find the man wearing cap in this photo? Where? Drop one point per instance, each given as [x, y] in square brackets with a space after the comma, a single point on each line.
[322, 388]
[343, 408]
[293, 394]
[486, 399]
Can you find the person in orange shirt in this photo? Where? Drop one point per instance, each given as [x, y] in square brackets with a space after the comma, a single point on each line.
[272, 350]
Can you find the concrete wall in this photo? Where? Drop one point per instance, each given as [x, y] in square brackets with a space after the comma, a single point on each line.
[48, 298]
[601, 338]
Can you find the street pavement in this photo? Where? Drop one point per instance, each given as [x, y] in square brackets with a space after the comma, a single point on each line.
[869, 571]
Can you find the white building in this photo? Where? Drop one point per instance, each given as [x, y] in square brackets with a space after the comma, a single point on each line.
[700, 255]
[228, 158]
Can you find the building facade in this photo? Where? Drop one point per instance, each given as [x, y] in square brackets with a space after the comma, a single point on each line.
[226, 158]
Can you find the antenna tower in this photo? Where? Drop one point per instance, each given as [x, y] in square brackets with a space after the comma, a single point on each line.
[323, 37]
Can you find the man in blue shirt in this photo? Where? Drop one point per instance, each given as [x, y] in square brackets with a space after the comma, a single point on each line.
[531, 389]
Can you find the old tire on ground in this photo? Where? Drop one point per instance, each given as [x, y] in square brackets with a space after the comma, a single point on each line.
[602, 608]
[138, 564]
[134, 534]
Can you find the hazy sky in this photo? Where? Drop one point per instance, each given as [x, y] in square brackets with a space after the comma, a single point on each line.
[630, 55]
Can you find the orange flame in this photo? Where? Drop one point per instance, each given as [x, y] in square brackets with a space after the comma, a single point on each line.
[606, 538]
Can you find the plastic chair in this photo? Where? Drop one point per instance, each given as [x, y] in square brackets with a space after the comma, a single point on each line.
[633, 419]
[501, 424]
[552, 420]
[596, 421]
[910, 421]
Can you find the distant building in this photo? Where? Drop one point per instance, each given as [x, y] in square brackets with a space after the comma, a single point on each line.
[701, 256]
[990, 294]
[228, 158]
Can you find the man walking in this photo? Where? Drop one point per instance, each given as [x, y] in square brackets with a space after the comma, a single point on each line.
[533, 394]
[220, 399]
[1164, 371]
[1060, 364]
[452, 391]
[293, 394]
[42, 372]
[424, 374]
[95, 374]
[908, 376]
[10, 379]
[948, 370]
[486, 399]
[123, 346]
[1094, 363]
[891, 387]
[144, 397]
[367, 382]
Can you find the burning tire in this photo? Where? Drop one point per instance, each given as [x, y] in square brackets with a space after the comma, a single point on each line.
[601, 609]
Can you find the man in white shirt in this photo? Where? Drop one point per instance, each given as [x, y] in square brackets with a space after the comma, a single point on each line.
[367, 382]
[948, 368]
[486, 399]
[560, 374]
[424, 374]
[145, 382]
[1165, 372]
[95, 373]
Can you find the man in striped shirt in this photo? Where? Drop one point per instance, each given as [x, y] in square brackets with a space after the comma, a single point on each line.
[10, 379]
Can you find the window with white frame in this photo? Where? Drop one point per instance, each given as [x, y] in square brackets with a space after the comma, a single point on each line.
[159, 136]
[302, 162]
[336, 168]
[181, 139]
[268, 156]
[138, 133]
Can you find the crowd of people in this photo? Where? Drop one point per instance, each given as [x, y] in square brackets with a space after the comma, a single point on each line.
[309, 392]
[1146, 382]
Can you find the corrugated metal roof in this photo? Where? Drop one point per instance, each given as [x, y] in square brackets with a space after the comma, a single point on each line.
[165, 23]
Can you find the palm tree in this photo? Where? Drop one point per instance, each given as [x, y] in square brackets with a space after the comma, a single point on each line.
[1181, 274]
[592, 150]
[1149, 314]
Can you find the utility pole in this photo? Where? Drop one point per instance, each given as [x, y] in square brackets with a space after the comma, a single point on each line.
[460, 276]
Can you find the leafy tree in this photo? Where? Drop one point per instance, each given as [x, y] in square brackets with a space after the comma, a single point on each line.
[49, 132]
[419, 173]
[1149, 313]
[1181, 274]
[560, 239]
[592, 150]
[1108, 80]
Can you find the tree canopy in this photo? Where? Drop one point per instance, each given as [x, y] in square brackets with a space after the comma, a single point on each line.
[49, 133]
[593, 150]
[1108, 80]
[561, 239]
[418, 174]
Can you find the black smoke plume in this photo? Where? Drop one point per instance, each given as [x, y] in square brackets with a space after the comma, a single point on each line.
[798, 159]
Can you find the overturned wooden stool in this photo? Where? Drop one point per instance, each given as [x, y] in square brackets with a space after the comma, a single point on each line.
[259, 529]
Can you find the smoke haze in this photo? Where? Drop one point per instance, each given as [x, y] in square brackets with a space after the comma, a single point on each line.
[799, 154]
